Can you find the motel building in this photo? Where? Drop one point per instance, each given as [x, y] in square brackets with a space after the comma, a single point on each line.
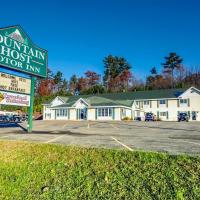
[164, 104]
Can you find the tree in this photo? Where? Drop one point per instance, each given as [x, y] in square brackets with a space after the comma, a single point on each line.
[114, 68]
[172, 62]
[153, 71]
[151, 79]
[96, 89]
[73, 83]
[192, 77]
[82, 84]
[58, 77]
[92, 78]
[125, 79]
[46, 87]
[63, 88]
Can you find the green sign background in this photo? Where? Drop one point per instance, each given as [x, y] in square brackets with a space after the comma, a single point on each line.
[19, 53]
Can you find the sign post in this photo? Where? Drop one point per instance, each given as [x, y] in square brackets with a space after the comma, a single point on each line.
[30, 109]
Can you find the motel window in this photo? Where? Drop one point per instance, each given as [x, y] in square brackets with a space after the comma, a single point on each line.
[110, 112]
[162, 101]
[123, 112]
[99, 112]
[146, 103]
[183, 101]
[104, 112]
[61, 113]
[163, 114]
[137, 103]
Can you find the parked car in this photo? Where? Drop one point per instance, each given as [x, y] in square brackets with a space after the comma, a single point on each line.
[4, 118]
[25, 117]
[183, 117]
[15, 118]
[138, 118]
[149, 117]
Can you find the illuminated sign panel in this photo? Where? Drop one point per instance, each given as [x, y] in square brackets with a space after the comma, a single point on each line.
[14, 99]
[14, 83]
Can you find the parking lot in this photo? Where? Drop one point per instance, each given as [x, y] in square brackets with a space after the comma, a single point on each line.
[172, 137]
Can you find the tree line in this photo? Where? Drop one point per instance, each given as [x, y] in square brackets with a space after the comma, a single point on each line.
[118, 77]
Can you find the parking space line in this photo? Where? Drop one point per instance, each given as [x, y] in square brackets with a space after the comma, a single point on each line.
[65, 125]
[5, 136]
[193, 143]
[122, 144]
[54, 139]
[114, 126]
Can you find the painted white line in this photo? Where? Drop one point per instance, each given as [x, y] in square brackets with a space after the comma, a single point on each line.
[65, 125]
[193, 143]
[114, 126]
[54, 139]
[5, 136]
[122, 144]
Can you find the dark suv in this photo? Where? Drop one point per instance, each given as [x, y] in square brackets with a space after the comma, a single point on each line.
[183, 117]
[149, 117]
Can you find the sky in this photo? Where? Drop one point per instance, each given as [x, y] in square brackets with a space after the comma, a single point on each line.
[78, 34]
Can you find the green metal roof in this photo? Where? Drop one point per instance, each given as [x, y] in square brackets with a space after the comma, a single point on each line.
[96, 101]
[65, 99]
[150, 94]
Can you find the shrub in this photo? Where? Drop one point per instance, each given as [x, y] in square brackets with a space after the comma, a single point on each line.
[127, 118]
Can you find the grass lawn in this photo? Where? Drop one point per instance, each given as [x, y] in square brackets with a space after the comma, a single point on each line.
[44, 171]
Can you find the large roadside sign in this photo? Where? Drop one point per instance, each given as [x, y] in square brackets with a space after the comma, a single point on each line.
[12, 83]
[19, 53]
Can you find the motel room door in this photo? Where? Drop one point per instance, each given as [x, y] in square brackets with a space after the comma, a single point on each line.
[81, 114]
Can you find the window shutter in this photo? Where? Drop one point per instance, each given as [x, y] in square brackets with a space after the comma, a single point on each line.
[86, 110]
[167, 103]
[68, 112]
[188, 102]
[157, 103]
[150, 104]
[142, 104]
[167, 113]
[158, 114]
[189, 114]
[96, 113]
[113, 113]
[178, 103]
[77, 114]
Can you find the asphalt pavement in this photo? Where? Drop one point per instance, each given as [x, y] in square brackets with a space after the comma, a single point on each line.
[171, 137]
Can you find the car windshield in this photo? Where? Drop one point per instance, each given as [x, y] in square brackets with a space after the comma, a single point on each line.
[183, 114]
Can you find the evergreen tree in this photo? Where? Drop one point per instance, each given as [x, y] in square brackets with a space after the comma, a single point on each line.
[114, 69]
[73, 84]
[172, 62]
